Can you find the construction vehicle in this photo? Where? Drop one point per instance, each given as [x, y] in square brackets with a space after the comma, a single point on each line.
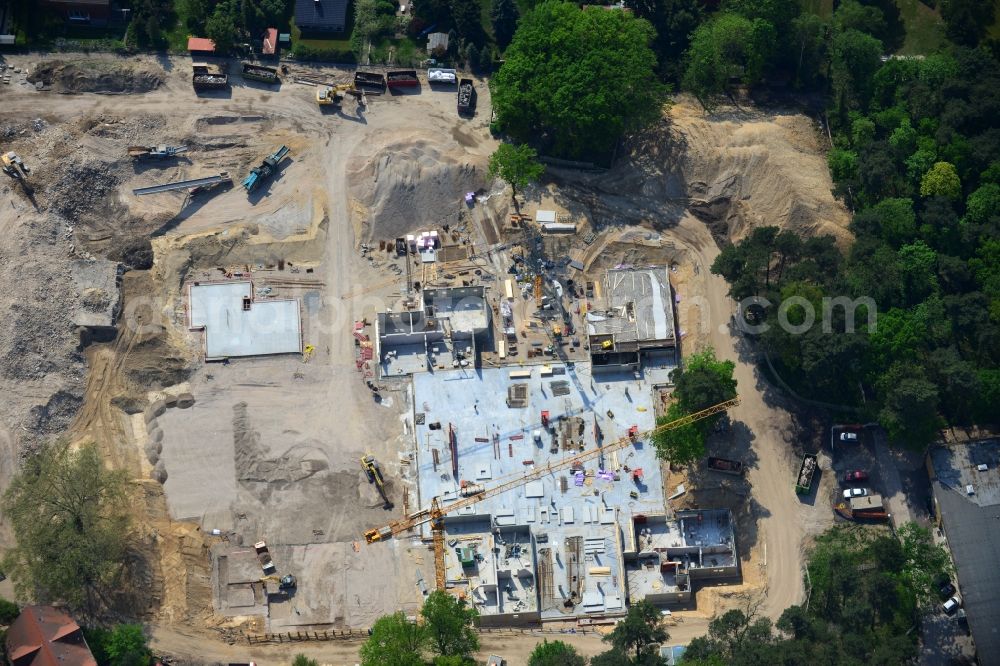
[161, 151]
[436, 511]
[402, 78]
[374, 472]
[264, 557]
[208, 77]
[726, 466]
[334, 95]
[266, 169]
[14, 167]
[466, 97]
[369, 80]
[286, 583]
[804, 480]
[260, 73]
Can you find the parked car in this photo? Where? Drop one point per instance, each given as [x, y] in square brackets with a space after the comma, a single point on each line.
[848, 436]
[855, 475]
[946, 590]
[951, 605]
[855, 492]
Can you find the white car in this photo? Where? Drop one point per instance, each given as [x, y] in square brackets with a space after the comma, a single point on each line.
[848, 436]
[855, 492]
[951, 605]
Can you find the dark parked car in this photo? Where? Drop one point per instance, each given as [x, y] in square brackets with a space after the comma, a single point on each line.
[946, 590]
[855, 475]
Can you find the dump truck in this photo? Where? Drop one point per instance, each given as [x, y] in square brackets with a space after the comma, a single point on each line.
[803, 482]
[264, 557]
[466, 97]
[375, 80]
[160, 151]
[402, 78]
[725, 466]
[208, 77]
[260, 73]
[266, 169]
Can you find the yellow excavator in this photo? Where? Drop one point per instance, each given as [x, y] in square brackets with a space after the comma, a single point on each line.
[334, 95]
[374, 472]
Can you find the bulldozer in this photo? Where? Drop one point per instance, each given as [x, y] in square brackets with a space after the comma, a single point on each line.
[334, 95]
[374, 472]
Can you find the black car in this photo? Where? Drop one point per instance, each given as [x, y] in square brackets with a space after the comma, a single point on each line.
[946, 590]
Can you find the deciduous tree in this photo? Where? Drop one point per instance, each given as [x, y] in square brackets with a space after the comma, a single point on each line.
[555, 653]
[516, 165]
[70, 516]
[573, 81]
[941, 181]
[395, 639]
[449, 625]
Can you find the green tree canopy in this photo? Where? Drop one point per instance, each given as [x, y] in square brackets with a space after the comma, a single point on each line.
[574, 81]
[302, 660]
[966, 21]
[516, 165]
[222, 27]
[395, 640]
[855, 57]
[70, 517]
[728, 46]
[638, 636]
[941, 181]
[555, 653]
[449, 625]
[704, 381]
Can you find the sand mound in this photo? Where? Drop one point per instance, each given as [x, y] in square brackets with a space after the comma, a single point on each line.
[751, 169]
[408, 184]
[94, 76]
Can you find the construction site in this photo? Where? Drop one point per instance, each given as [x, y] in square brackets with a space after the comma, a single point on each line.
[344, 367]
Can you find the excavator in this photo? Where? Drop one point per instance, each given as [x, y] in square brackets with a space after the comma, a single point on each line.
[14, 167]
[374, 472]
[334, 95]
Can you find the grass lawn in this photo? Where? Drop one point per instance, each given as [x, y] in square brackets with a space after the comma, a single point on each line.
[405, 52]
[340, 41]
[924, 28]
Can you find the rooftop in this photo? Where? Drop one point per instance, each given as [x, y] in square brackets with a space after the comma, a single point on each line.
[320, 14]
[972, 526]
[270, 42]
[577, 518]
[236, 325]
[635, 305]
[46, 636]
[200, 44]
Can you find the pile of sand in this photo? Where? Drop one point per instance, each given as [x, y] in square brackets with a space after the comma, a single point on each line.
[409, 184]
[96, 76]
[752, 169]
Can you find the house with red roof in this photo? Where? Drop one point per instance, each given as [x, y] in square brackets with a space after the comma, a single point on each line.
[201, 46]
[46, 636]
[270, 45]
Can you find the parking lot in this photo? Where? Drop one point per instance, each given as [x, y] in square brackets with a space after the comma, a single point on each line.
[852, 455]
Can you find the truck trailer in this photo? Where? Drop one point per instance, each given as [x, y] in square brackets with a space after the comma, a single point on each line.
[260, 73]
[803, 482]
[208, 77]
[466, 97]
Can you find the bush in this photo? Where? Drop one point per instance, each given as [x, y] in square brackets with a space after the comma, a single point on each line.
[8, 611]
